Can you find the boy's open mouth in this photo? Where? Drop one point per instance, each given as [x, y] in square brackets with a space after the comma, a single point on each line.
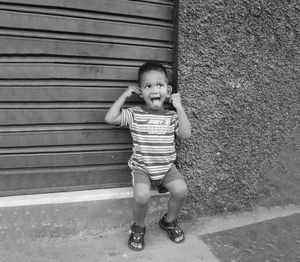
[154, 99]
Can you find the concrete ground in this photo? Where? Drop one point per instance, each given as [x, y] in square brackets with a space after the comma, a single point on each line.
[224, 238]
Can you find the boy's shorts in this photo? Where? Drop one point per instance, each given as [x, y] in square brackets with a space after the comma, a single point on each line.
[140, 176]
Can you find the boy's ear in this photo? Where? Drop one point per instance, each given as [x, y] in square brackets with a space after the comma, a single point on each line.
[169, 89]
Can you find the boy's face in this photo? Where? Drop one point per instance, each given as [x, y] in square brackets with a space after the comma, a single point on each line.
[155, 89]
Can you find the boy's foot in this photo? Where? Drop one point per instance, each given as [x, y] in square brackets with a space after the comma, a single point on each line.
[174, 231]
[136, 238]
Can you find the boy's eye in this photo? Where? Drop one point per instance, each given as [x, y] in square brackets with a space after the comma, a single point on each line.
[159, 85]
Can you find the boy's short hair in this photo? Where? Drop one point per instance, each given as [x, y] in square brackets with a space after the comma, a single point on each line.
[149, 66]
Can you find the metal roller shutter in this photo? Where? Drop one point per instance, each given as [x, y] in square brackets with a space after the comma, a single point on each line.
[62, 64]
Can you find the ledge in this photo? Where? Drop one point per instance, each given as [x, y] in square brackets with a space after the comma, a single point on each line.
[69, 197]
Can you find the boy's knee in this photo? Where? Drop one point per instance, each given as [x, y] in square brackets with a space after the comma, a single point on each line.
[180, 192]
[141, 198]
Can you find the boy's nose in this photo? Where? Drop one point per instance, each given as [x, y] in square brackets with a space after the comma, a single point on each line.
[154, 89]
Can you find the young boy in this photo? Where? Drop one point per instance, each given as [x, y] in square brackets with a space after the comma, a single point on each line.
[153, 130]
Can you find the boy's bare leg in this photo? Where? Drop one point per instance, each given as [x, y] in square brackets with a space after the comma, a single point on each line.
[140, 203]
[178, 191]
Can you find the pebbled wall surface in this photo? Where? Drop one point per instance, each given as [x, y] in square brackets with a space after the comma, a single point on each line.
[239, 75]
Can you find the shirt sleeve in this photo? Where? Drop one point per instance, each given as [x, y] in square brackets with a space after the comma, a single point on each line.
[126, 117]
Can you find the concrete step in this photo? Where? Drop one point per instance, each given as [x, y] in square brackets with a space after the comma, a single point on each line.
[72, 214]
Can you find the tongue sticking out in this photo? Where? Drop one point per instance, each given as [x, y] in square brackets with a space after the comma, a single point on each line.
[156, 102]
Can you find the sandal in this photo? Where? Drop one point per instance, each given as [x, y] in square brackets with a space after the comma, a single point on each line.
[174, 231]
[136, 238]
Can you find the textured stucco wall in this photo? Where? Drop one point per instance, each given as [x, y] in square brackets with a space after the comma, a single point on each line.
[239, 78]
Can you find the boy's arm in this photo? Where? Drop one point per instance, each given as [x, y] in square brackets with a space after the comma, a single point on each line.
[184, 125]
[113, 115]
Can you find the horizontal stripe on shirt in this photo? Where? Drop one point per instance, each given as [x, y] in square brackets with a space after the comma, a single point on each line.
[155, 155]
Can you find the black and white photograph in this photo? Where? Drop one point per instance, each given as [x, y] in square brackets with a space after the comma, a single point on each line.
[150, 130]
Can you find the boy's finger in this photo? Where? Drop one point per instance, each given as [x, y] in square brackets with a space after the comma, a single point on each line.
[175, 96]
[134, 88]
[137, 90]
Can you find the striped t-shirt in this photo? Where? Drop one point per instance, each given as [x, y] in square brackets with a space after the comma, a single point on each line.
[153, 135]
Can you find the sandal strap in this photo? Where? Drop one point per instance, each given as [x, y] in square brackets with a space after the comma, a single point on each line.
[137, 237]
[171, 224]
[172, 228]
[137, 229]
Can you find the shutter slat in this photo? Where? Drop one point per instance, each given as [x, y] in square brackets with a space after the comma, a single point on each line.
[51, 116]
[59, 71]
[64, 159]
[63, 138]
[57, 93]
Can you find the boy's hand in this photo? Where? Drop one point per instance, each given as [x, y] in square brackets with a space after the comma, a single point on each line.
[132, 89]
[175, 100]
